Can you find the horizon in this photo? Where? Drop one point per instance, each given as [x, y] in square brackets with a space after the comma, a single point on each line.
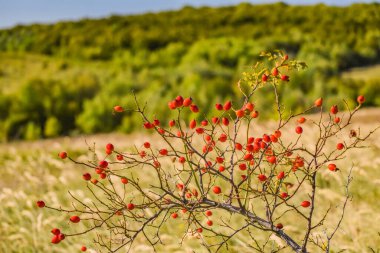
[48, 12]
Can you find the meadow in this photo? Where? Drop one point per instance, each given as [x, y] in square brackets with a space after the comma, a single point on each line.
[59, 83]
[33, 171]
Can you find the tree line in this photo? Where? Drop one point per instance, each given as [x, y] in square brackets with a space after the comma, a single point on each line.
[82, 68]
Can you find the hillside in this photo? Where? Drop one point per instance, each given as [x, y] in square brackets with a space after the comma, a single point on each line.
[64, 78]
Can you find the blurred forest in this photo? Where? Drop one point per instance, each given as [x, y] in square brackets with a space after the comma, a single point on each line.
[65, 78]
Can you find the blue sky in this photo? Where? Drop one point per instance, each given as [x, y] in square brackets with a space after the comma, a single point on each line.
[14, 12]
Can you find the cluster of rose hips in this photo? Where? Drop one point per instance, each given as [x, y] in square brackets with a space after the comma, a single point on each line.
[275, 73]
[179, 101]
[253, 145]
[58, 236]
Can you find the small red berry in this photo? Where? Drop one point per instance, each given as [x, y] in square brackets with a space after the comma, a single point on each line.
[62, 155]
[305, 203]
[55, 239]
[180, 186]
[146, 145]
[163, 151]
[215, 120]
[161, 130]
[193, 124]
[280, 175]
[55, 231]
[216, 189]
[130, 206]
[240, 113]
[199, 230]
[273, 138]
[249, 106]
[200, 130]
[225, 121]
[360, 99]
[179, 101]
[227, 105]
[86, 176]
[118, 108]
[172, 105]
[124, 180]
[61, 237]
[332, 167]
[172, 123]
[277, 133]
[299, 130]
[110, 147]
[142, 153]
[264, 78]
[174, 215]
[40, 203]
[262, 177]
[248, 157]
[301, 120]
[219, 159]
[274, 71]
[219, 107]
[75, 219]
[223, 138]
[339, 146]
[187, 101]
[182, 160]
[103, 164]
[209, 223]
[208, 213]
[272, 159]
[285, 78]
[336, 120]
[318, 102]
[148, 125]
[194, 108]
[279, 226]
[195, 192]
[255, 114]
[266, 138]
[83, 248]
[156, 164]
[334, 109]
[284, 195]
[222, 168]
[99, 170]
[242, 166]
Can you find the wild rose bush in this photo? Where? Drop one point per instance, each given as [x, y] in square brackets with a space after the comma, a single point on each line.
[219, 165]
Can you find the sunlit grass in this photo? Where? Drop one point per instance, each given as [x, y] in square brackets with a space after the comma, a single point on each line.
[32, 171]
[363, 73]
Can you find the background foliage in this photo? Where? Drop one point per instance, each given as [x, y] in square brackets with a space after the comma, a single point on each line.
[64, 78]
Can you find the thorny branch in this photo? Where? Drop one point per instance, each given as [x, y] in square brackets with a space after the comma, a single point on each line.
[215, 167]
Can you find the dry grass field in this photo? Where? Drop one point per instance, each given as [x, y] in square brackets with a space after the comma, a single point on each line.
[31, 171]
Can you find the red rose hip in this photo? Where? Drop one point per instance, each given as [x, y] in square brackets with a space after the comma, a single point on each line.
[216, 189]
